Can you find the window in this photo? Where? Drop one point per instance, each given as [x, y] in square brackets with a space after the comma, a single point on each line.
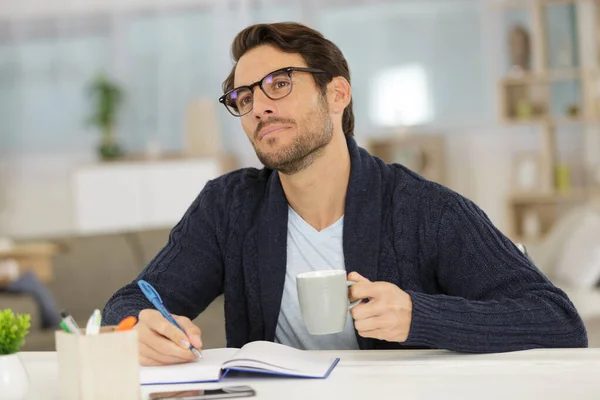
[400, 96]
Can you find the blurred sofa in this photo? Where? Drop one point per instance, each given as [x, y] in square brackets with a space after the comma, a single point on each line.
[90, 270]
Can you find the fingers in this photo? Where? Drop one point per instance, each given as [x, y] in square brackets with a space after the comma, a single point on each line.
[368, 310]
[381, 334]
[356, 277]
[356, 291]
[192, 331]
[157, 347]
[366, 290]
[388, 314]
[382, 327]
[160, 325]
[370, 324]
[148, 362]
[160, 358]
[160, 342]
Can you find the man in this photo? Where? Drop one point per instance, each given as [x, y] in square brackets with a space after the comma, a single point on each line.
[435, 270]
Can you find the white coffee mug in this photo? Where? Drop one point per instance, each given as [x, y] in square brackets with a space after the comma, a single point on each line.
[323, 298]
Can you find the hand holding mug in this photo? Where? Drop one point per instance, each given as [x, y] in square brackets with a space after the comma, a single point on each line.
[387, 315]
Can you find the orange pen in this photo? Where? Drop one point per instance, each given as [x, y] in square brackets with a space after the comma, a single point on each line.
[126, 324]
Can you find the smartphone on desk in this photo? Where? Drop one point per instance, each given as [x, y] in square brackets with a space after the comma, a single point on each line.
[229, 392]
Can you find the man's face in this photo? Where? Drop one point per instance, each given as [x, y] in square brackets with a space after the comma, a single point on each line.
[287, 134]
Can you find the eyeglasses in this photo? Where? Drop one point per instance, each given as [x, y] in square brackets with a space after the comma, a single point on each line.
[276, 85]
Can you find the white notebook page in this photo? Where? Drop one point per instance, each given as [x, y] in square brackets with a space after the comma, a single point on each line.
[207, 368]
[278, 357]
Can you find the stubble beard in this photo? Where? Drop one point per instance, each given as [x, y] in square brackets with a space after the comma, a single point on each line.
[306, 147]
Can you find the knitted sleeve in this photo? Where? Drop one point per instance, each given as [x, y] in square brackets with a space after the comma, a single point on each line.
[188, 271]
[494, 299]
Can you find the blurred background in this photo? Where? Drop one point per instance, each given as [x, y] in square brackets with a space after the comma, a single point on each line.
[110, 127]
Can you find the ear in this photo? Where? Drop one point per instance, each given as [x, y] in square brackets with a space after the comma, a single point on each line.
[340, 94]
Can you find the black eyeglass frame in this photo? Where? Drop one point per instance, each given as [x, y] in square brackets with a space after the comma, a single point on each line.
[259, 83]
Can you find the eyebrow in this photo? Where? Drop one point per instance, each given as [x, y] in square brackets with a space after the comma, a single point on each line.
[261, 78]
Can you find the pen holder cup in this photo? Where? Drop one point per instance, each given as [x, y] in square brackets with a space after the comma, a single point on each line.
[98, 367]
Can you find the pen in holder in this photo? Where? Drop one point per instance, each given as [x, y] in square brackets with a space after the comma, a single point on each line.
[98, 367]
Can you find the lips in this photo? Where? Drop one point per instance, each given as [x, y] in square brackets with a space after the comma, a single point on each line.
[271, 129]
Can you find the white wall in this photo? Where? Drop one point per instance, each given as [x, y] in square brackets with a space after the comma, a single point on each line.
[50, 8]
[35, 195]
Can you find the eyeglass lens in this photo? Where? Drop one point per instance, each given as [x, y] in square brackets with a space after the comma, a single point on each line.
[276, 86]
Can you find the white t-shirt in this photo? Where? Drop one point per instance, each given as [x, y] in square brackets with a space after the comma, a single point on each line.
[310, 250]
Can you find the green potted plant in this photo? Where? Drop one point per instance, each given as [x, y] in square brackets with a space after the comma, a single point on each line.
[107, 97]
[13, 377]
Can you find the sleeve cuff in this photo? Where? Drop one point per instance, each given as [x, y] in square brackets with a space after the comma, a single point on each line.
[424, 329]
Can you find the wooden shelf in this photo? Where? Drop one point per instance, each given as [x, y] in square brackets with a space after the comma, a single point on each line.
[551, 121]
[523, 80]
[530, 99]
[34, 257]
[545, 208]
[556, 2]
[540, 78]
[571, 121]
[524, 122]
[563, 74]
[574, 195]
[44, 249]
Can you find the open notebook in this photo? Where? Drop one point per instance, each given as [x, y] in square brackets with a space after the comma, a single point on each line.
[260, 357]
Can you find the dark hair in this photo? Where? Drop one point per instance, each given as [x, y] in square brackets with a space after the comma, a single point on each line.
[292, 37]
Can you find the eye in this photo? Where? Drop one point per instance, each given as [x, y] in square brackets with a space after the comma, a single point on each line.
[281, 84]
[243, 99]
[247, 99]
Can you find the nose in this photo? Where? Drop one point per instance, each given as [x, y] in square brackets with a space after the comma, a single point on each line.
[262, 105]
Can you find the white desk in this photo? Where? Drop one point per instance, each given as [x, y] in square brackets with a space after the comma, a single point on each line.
[370, 375]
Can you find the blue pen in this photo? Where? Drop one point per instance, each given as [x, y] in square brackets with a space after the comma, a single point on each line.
[153, 296]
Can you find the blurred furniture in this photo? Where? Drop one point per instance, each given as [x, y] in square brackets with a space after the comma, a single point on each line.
[421, 153]
[203, 131]
[543, 210]
[552, 83]
[34, 257]
[139, 194]
[91, 269]
[570, 260]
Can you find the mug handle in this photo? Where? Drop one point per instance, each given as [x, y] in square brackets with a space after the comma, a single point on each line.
[353, 303]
